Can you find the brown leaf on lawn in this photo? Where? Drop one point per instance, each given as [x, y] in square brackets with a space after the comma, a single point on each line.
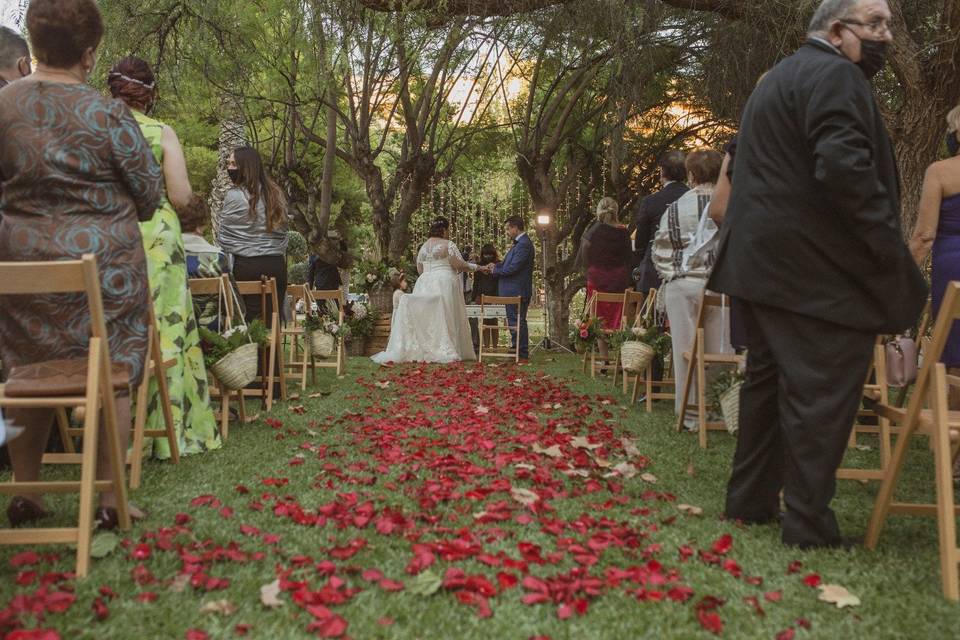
[689, 508]
[648, 477]
[481, 410]
[180, 582]
[581, 442]
[294, 396]
[319, 394]
[626, 470]
[269, 593]
[383, 384]
[524, 465]
[524, 496]
[583, 473]
[298, 409]
[691, 471]
[629, 447]
[552, 451]
[603, 463]
[835, 594]
[221, 607]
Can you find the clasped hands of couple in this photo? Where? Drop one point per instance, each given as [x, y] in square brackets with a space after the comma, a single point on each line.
[487, 269]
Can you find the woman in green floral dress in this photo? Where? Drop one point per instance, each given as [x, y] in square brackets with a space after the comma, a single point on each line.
[131, 80]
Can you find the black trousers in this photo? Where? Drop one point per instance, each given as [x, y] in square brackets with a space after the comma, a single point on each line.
[804, 384]
[250, 269]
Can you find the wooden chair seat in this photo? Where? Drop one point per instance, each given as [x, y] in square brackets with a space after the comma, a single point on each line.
[492, 330]
[66, 377]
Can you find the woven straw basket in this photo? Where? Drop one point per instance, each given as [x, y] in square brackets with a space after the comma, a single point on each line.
[238, 368]
[321, 344]
[636, 356]
[381, 300]
[730, 407]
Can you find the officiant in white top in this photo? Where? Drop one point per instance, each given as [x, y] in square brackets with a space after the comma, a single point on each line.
[430, 324]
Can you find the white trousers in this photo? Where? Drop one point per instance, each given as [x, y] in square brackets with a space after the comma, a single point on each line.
[681, 298]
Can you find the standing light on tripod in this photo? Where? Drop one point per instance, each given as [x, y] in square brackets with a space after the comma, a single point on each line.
[543, 219]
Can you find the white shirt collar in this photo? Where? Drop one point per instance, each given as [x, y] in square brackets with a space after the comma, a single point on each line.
[520, 235]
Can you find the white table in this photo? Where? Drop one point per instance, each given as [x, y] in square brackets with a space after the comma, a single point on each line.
[489, 311]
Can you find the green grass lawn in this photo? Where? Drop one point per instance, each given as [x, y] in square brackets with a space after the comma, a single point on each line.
[410, 466]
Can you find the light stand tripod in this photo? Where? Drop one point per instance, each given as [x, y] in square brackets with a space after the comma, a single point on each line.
[546, 344]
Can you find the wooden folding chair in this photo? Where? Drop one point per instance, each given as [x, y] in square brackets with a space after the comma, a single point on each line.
[699, 360]
[632, 305]
[505, 352]
[273, 356]
[298, 359]
[598, 298]
[875, 390]
[155, 369]
[943, 427]
[663, 389]
[321, 297]
[99, 383]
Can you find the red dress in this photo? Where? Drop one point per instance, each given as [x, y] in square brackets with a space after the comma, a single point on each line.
[608, 269]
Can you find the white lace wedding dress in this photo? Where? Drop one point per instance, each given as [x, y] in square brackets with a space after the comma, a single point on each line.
[430, 324]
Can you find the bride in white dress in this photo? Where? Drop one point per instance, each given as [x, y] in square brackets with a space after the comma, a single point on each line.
[430, 324]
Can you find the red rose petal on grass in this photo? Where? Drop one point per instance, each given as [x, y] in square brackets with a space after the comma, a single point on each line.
[786, 634]
[723, 544]
[564, 611]
[100, 609]
[25, 578]
[710, 621]
[33, 634]
[812, 580]
[25, 558]
[196, 634]
[372, 575]
[506, 580]
[385, 622]
[141, 552]
[390, 585]
[242, 629]
[754, 602]
[804, 623]
[332, 627]
[794, 567]
[773, 596]
[147, 597]
[680, 593]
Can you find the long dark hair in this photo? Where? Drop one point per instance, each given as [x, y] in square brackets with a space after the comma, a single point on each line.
[254, 178]
[438, 226]
[488, 254]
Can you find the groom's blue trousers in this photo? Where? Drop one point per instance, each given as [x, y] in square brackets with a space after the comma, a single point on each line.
[512, 321]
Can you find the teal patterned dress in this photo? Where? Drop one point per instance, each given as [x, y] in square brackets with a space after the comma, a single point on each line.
[76, 176]
[179, 340]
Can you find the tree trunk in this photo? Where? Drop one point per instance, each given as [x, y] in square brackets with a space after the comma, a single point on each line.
[232, 135]
[411, 196]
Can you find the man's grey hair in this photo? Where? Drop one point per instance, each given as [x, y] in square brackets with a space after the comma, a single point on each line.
[12, 48]
[827, 12]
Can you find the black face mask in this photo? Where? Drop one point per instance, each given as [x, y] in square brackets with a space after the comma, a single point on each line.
[953, 144]
[234, 175]
[873, 55]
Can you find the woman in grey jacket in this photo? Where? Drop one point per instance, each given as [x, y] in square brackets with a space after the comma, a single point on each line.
[253, 227]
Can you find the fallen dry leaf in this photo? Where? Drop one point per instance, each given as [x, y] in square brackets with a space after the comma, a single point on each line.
[482, 410]
[552, 451]
[581, 442]
[689, 508]
[269, 593]
[221, 607]
[524, 496]
[180, 582]
[626, 470]
[583, 473]
[524, 465]
[383, 384]
[629, 447]
[691, 471]
[835, 594]
[648, 477]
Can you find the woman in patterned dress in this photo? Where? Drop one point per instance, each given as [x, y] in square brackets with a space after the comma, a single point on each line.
[76, 176]
[131, 80]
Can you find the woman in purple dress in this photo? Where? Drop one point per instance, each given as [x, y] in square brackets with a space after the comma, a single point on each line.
[938, 228]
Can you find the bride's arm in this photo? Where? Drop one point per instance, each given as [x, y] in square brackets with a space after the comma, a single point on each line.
[457, 262]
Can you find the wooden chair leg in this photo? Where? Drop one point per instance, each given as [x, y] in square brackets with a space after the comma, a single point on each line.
[304, 364]
[881, 506]
[242, 407]
[88, 467]
[648, 381]
[225, 411]
[701, 391]
[271, 362]
[885, 443]
[281, 367]
[586, 360]
[63, 426]
[139, 426]
[616, 369]
[687, 381]
[943, 467]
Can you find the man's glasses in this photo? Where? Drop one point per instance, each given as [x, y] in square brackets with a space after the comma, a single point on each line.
[874, 27]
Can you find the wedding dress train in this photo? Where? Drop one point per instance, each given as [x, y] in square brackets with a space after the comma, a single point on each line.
[430, 324]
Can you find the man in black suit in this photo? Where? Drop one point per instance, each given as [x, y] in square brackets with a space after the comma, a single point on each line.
[812, 251]
[673, 173]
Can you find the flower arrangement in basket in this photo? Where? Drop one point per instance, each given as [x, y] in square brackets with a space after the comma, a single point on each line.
[643, 342]
[724, 396]
[359, 319]
[323, 331]
[232, 356]
[586, 333]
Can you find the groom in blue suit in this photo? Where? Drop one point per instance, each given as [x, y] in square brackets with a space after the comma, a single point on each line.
[515, 275]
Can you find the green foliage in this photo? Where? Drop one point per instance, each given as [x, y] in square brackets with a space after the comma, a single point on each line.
[359, 319]
[298, 273]
[215, 346]
[201, 167]
[653, 336]
[725, 381]
[296, 246]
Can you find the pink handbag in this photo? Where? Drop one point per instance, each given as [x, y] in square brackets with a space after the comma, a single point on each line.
[901, 356]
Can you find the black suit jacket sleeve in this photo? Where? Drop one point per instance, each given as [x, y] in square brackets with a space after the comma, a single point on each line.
[845, 156]
[645, 223]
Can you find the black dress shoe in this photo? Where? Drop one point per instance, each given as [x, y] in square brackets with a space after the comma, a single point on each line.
[107, 518]
[22, 511]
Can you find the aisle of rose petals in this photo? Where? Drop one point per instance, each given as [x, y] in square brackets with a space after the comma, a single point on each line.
[461, 467]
